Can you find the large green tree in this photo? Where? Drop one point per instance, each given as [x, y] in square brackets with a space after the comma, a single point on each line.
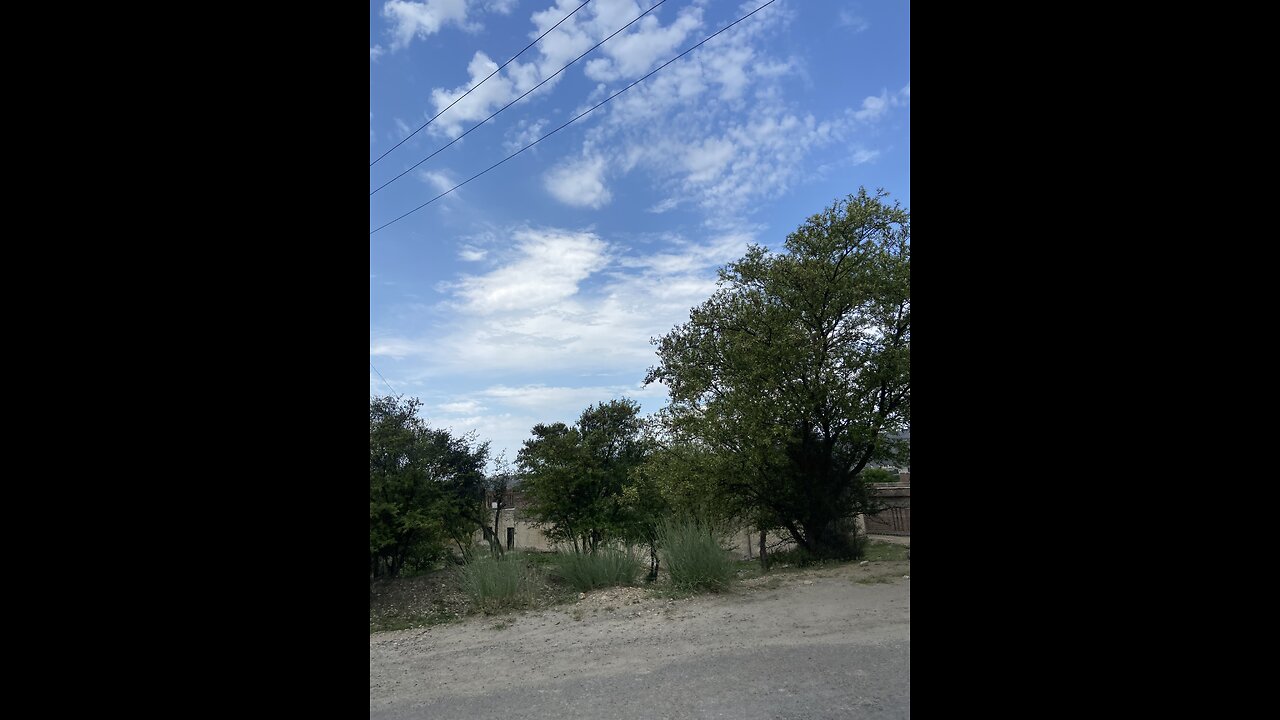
[425, 486]
[798, 368]
[573, 477]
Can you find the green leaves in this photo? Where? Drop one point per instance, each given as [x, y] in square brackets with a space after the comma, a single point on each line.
[799, 364]
[573, 478]
[424, 484]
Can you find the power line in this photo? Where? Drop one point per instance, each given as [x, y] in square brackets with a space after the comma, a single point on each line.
[553, 132]
[393, 390]
[513, 102]
[473, 87]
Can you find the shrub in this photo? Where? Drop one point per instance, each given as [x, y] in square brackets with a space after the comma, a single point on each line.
[693, 556]
[493, 584]
[852, 544]
[609, 566]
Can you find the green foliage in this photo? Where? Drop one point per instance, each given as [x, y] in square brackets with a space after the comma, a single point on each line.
[425, 557]
[424, 487]
[878, 476]
[573, 477]
[796, 371]
[683, 474]
[609, 566]
[694, 556]
[493, 584]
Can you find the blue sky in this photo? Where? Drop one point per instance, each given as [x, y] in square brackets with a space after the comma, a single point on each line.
[533, 291]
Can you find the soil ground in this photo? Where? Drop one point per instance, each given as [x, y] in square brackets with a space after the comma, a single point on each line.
[826, 641]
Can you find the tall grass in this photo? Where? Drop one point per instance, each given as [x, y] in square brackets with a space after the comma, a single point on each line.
[609, 566]
[693, 556]
[493, 584]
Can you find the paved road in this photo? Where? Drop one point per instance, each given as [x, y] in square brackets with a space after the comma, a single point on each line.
[819, 646]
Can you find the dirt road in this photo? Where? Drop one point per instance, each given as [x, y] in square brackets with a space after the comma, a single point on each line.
[812, 644]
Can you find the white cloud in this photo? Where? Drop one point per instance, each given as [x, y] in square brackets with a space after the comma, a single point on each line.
[633, 53]
[570, 301]
[535, 397]
[558, 400]
[726, 161]
[862, 155]
[713, 130]
[579, 183]
[513, 410]
[376, 52]
[481, 103]
[437, 179]
[665, 205]
[625, 56]
[548, 266]
[556, 301]
[422, 19]
[469, 253]
[873, 107]
[523, 133]
[398, 348]
[502, 7]
[707, 160]
[686, 258]
[465, 407]
[729, 69]
[853, 21]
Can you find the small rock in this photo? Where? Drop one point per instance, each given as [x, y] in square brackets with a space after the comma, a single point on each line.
[906, 577]
[864, 562]
[808, 582]
[582, 596]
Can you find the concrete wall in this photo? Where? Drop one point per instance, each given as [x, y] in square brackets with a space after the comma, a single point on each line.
[527, 537]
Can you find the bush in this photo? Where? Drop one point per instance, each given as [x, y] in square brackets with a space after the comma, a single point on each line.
[424, 557]
[493, 584]
[693, 556]
[609, 566]
[851, 545]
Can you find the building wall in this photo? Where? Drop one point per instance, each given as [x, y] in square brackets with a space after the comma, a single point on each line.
[527, 537]
[896, 520]
[746, 542]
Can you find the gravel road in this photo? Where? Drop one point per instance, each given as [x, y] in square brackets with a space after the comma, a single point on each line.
[811, 644]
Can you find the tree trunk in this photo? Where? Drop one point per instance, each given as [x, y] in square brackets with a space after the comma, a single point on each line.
[495, 545]
[764, 553]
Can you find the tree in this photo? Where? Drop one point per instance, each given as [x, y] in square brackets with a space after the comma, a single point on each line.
[497, 487]
[573, 477]
[424, 486]
[798, 367]
[878, 476]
